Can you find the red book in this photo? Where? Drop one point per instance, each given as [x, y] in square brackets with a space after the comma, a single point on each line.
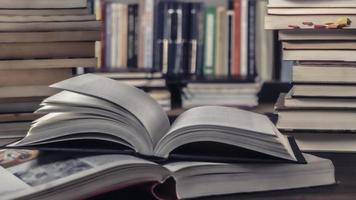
[236, 50]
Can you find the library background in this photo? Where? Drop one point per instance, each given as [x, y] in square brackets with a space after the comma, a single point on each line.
[290, 60]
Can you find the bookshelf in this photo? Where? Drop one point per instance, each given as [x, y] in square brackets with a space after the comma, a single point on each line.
[261, 56]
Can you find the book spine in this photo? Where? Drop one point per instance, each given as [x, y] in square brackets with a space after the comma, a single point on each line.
[164, 28]
[201, 46]
[220, 42]
[116, 23]
[230, 36]
[109, 35]
[210, 31]
[103, 34]
[132, 36]
[157, 31]
[252, 38]
[91, 6]
[98, 9]
[123, 35]
[177, 56]
[244, 39]
[236, 51]
[196, 37]
[146, 39]
[185, 22]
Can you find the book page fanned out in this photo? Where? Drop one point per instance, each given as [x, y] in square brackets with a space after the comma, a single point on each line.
[100, 109]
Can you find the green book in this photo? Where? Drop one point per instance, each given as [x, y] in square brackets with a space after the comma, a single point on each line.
[210, 33]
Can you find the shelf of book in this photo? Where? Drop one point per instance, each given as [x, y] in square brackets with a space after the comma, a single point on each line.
[217, 43]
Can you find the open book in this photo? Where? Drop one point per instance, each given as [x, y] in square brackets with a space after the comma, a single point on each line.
[27, 175]
[94, 113]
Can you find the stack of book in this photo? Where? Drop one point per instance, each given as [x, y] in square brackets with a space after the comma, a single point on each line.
[182, 37]
[41, 42]
[319, 37]
[153, 83]
[227, 94]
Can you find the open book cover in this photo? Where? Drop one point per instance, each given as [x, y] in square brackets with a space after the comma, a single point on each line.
[98, 114]
[27, 175]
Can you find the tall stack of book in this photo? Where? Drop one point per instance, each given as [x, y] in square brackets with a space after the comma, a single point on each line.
[41, 42]
[319, 36]
[182, 38]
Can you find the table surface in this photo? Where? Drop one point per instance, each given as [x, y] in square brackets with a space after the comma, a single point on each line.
[345, 171]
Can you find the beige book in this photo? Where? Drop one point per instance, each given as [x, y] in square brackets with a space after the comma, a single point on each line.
[221, 23]
[324, 74]
[287, 101]
[47, 50]
[10, 77]
[322, 120]
[311, 11]
[123, 37]
[48, 63]
[340, 142]
[318, 45]
[313, 34]
[60, 36]
[320, 55]
[19, 117]
[344, 91]
[50, 26]
[44, 12]
[311, 3]
[25, 4]
[26, 91]
[59, 18]
[278, 22]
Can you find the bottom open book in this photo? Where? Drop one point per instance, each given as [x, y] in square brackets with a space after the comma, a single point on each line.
[26, 175]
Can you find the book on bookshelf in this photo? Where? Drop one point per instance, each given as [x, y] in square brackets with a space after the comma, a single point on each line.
[185, 34]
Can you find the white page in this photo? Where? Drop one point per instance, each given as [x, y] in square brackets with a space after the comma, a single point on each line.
[141, 105]
[10, 183]
[224, 116]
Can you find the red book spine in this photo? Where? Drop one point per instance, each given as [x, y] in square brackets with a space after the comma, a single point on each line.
[236, 51]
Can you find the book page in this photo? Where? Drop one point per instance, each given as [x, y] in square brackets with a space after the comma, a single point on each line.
[59, 171]
[141, 105]
[226, 117]
[10, 183]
